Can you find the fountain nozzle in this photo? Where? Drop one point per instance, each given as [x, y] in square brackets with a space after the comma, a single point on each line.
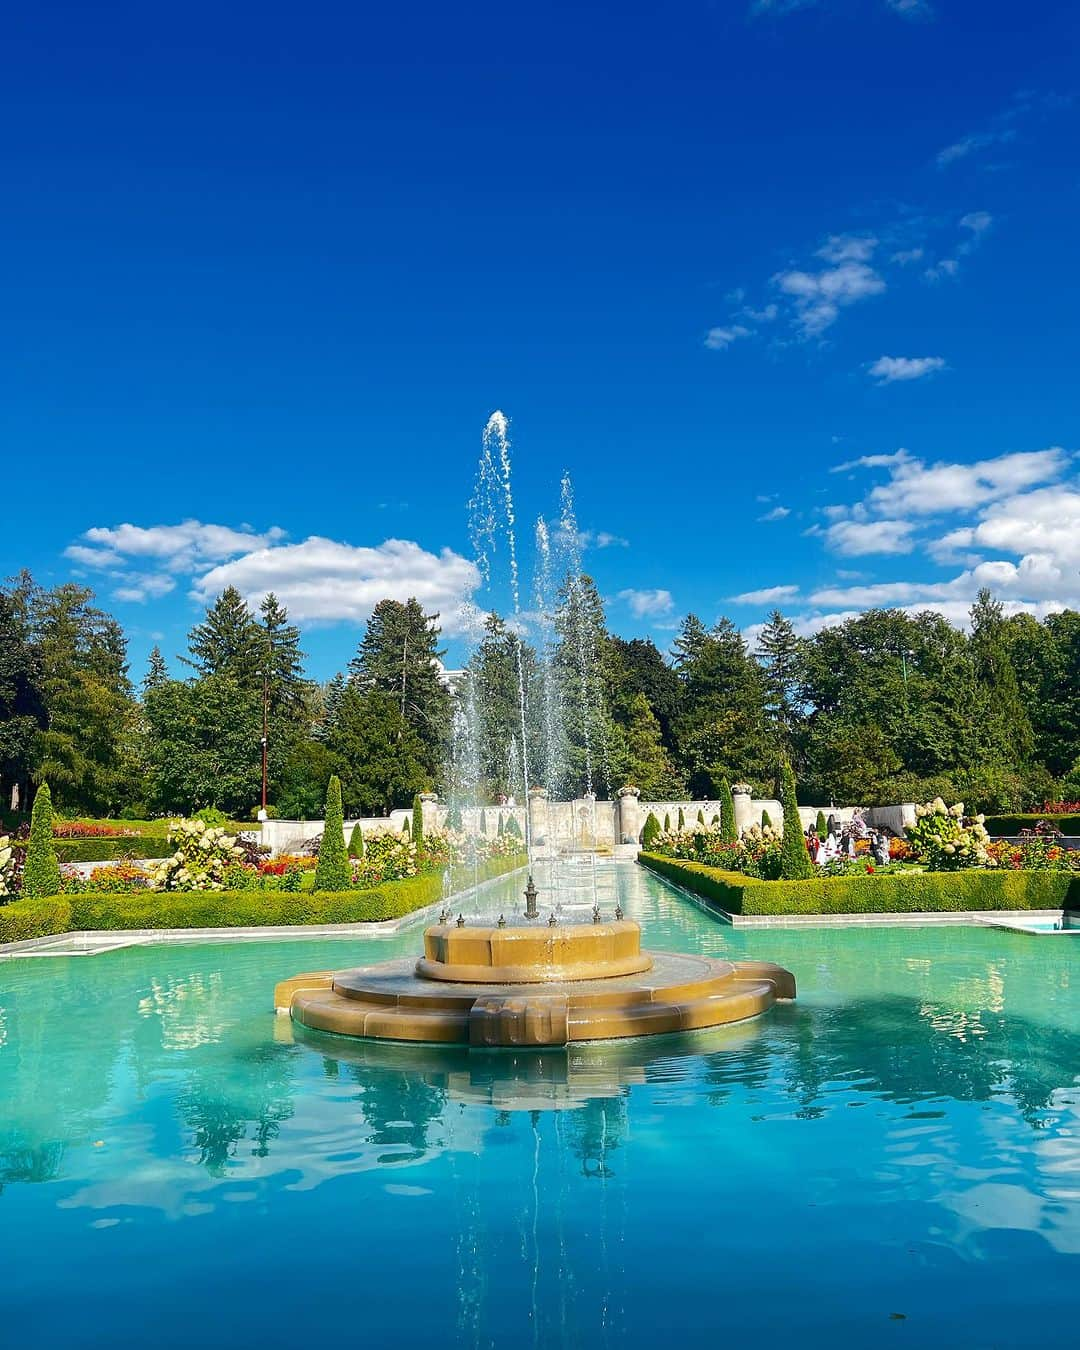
[531, 912]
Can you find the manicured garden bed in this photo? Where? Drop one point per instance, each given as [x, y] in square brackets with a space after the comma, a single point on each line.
[1011, 826]
[894, 893]
[25, 919]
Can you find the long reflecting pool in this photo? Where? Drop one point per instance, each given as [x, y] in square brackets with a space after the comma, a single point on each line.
[893, 1159]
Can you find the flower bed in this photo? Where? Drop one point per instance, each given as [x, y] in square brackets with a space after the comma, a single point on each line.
[92, 911]
[908, 892]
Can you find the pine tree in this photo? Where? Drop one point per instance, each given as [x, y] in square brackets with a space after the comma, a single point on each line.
[418, 831]
[333, 872]
[778, 652]
[157, 672]
[649, 766]
[795, 864]
[649, 831]
[356, 842]
[41, 874]
[729, 830]
[228, 641]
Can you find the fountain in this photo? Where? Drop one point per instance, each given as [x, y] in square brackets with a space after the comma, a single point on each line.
[535, 981]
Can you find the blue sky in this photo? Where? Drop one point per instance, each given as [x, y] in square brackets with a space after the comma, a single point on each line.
[266, 271]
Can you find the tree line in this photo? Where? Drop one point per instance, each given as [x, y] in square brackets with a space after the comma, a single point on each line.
[884, 707]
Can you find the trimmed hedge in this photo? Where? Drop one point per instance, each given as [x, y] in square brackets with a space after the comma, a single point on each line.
[893, 893]
[1012, 825]
[108, 850]
[231, 909]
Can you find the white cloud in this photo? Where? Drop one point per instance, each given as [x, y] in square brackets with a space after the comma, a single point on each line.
[605, 540]
[889, 369]
[947, 267]
[969, 145]
[179, 548]
[648, 603]
[906, 256]
[321, 580]
[978, 222]
[855, 538]
[777, 513]
[719, 339]
[818, 297]
[911, 9]
[138, 587]
[918, 488]
[840, 248]
[769, 595]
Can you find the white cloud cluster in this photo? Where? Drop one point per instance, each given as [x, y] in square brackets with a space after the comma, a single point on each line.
[1004, 128]
[889, 369]
[321, 580]
[1015, 528]
[819, 296]
[647, 604]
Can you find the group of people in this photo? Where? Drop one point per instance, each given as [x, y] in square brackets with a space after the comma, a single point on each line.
[839, 841]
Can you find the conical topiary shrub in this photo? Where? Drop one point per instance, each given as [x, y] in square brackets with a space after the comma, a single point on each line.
[682, 820]
[483, 823]
[729, 831]
[356, 842]
[822, 825]
[333, 872]
[649, 831]
[795, 864]
[41, 874]
[667, 822]
[418, 830]
[766, 820]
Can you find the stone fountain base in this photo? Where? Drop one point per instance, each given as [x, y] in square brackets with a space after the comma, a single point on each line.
[532, 985]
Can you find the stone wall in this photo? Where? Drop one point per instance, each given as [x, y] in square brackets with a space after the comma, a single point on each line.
[584, 824]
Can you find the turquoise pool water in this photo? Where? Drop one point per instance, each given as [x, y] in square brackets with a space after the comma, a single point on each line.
[893, 1159]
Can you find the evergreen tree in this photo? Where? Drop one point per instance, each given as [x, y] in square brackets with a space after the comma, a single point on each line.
[588, 671]
[483, 822]
[667, 822]
[157, 672]
[649, 831]
[682, 820]
[332, 694]
[228, 641]
[380, 758]
[202, 748]
[778, 651]
[399, 657]
[494, 687]
[1004, 716]
[41, 874]
[766, 821]
[648, 764]
[22, 700]
[333, 872]
[701, 816]
[795, 864]
[644, 671]
[821, 825]
[356, 842]
[729, 831]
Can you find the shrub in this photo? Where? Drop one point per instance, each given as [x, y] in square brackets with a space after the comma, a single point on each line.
[1016, 824]
[356, 842]
[821, 825]
[41, 873]
[944, 841]
[795, 863]
[201, 855]
[907, 892]
[682, 820]
[7, 869]
[512, 827]
[418, 829]
[649, 831]
[729, 831]
[26, 919]
[766, 822]
[667, 822]
[333, 872]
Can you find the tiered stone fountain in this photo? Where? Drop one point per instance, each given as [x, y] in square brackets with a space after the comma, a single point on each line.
[533, 983]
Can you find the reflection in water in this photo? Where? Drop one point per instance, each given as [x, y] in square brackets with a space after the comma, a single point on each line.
[917, 1110]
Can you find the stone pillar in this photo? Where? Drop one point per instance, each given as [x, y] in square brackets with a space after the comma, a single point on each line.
[429, 811]
[744, 806]
[538, 814]
[628, 823]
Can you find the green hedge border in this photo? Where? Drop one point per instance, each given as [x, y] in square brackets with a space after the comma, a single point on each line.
[1012, 825]
[896, 893]
[26, 919]
[109, 850]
